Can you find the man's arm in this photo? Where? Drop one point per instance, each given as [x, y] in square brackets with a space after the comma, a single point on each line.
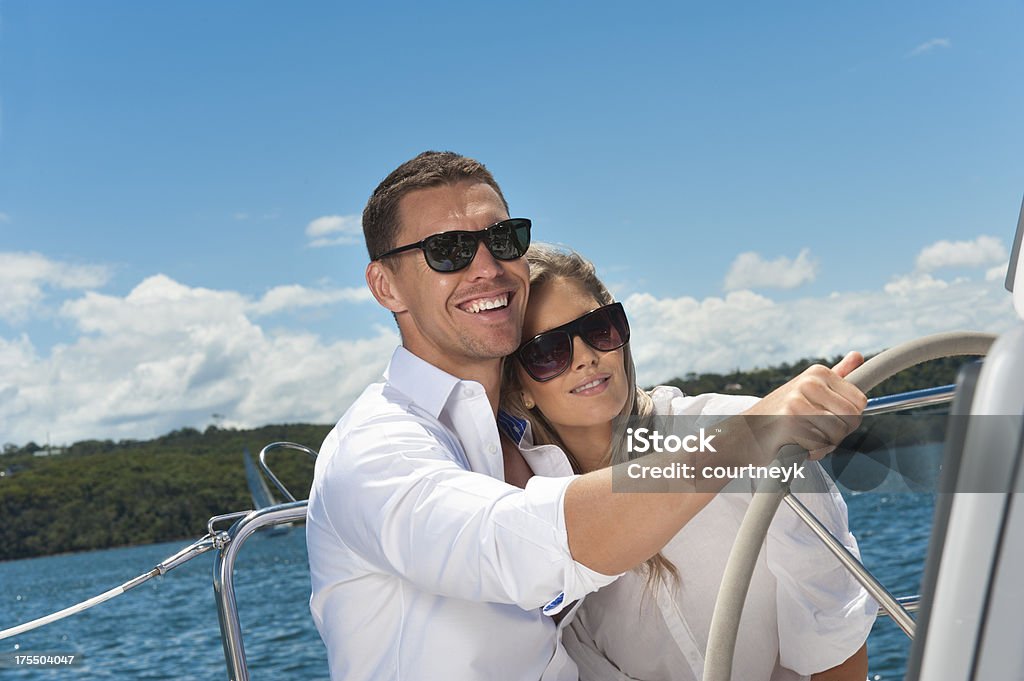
[393, 494]
[390, 496]
[613, 532]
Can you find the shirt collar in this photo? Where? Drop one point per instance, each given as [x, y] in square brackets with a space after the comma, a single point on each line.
[513, 427]
[421, 381]
[545, 460]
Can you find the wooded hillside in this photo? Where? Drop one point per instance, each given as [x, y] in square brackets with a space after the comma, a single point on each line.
[99, 493]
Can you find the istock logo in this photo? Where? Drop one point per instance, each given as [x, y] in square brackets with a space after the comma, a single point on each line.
[644, 440]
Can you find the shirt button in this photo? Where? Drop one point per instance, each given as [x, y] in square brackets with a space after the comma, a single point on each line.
[468, 392]
[492, 448]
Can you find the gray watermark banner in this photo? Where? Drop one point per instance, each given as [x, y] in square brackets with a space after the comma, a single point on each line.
[891, 453]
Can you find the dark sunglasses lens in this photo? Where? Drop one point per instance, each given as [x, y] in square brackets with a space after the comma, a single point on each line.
[501, 243]
[509, 240]
[447, 252]
[605, 329]
[547, 355]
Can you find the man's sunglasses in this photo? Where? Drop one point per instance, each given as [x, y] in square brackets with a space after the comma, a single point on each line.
[453, 251]
[549, 354]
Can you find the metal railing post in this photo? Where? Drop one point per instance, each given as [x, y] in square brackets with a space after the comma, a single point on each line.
[224, 579]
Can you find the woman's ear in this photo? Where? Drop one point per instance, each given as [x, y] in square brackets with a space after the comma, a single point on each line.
[528, 400]
[382, 283]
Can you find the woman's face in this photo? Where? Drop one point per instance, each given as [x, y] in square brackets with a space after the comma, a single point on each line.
[593, 390]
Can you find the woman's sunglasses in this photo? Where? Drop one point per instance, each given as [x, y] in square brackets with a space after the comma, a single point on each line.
[453, 251]
[549, 354]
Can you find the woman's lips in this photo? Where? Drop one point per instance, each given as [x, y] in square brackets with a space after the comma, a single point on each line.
[592, 386]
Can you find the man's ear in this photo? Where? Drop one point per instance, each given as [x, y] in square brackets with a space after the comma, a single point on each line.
[381, 281]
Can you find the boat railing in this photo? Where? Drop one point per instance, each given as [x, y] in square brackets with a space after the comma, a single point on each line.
[230, 543]
[886, 404]
[265, 467]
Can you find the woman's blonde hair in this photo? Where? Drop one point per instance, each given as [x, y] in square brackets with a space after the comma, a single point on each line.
[549, 263]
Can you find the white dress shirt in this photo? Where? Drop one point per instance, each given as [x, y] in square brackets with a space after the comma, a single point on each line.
[804, 612]
[424, 563]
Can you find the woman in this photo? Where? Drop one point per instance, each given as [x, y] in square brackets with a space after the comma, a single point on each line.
[571, 377]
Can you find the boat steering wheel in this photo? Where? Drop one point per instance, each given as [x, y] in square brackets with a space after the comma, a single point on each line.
[754, 528]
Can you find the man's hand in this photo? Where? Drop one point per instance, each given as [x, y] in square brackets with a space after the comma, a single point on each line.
[818, 409]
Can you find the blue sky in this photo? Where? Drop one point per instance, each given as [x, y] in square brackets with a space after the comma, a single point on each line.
[758, 182]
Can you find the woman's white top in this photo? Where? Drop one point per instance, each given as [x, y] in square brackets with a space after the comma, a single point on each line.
[804, 612]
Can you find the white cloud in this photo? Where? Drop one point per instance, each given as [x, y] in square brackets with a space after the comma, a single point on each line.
[983, 251]
[157, 306]
[295, 296]
[167, 355]
[25, 276]
[334, 230]
[750, 271]
[929, 45]
[674, 336]
[907, 284]
[997, 273]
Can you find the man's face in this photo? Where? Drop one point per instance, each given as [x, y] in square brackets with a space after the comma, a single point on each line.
[435, 309]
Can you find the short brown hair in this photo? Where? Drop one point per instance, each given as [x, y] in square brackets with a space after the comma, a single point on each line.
[429, 169]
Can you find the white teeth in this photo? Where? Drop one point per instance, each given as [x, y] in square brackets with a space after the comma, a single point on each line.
[487, 304]
[588, 386]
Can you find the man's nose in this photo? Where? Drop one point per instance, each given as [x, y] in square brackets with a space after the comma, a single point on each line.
[484, 265]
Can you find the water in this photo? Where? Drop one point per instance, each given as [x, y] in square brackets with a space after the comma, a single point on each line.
[168, 626]
[892, 531]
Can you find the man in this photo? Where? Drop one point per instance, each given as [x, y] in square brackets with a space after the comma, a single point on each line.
[436, 550]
